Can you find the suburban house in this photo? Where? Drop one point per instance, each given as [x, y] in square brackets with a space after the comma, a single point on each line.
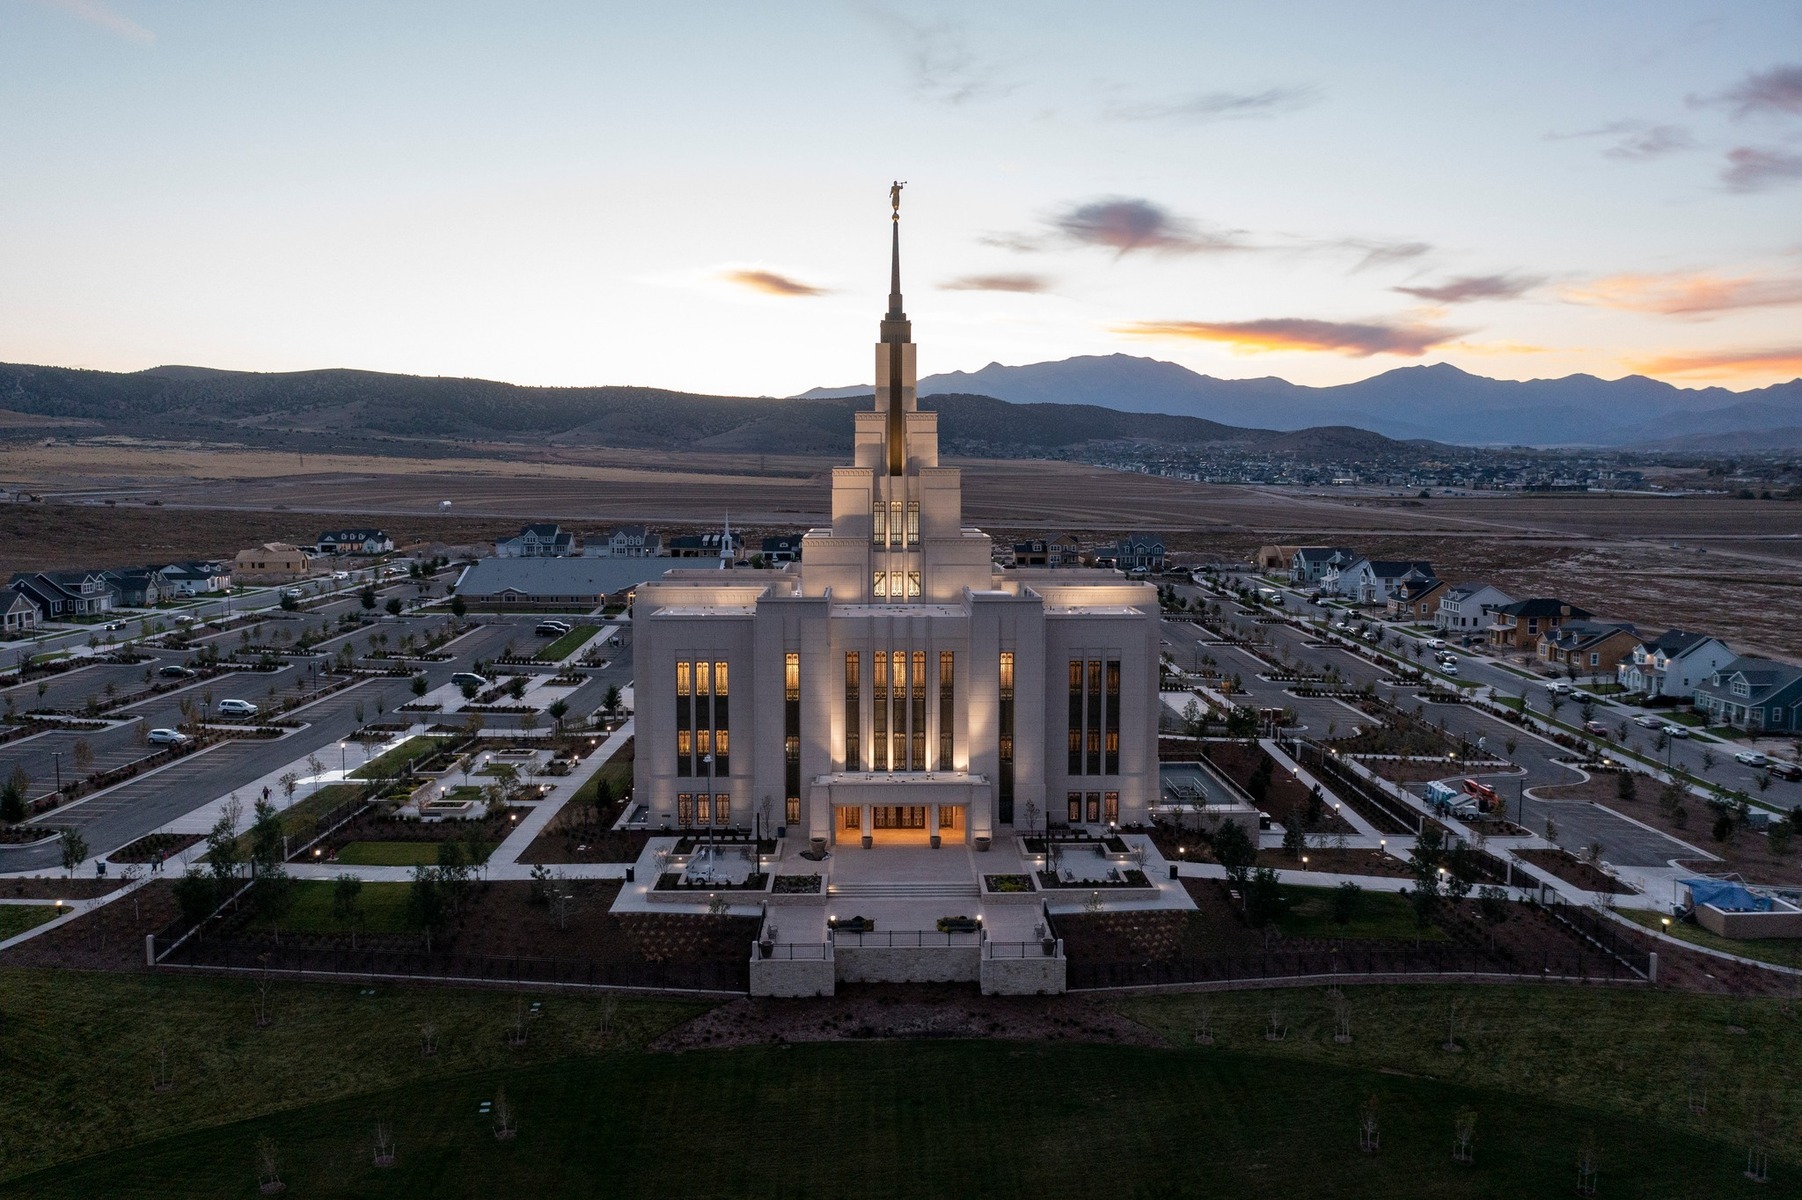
[552, 582]
[783, 549]
[538, 541]
[17, 613]
[633, 541]
[1274, 560]
[354, 541]
[1417, 602]
[1466, 608]
[272, 562]
[1518, 626]
[195, 578]
[1754, 694]
[60, 594]
[1311, 564]
[704, 545]
[1034, 553]
[1588, 647]
[1673, 664]
[1065, 551]
[1373, 581]
[137, 587]
[1134, 552]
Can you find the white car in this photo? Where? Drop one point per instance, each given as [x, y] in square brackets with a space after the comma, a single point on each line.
[237, 708]
[1646, 721]
[1559, 687]
[167, 737]
[1676, 731]
[1752, 758]
[1437, 643]
[1450, 668]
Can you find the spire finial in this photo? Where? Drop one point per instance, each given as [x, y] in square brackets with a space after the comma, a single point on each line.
[895, 312]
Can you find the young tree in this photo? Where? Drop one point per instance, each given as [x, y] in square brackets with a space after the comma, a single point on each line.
[82, 755]
[425, 902]
[1348, 897]
[347, 903]
[74, 848]
[458, 607]
[367, 596]
[12, 799]
[558, 709]
[420, 685]
[1626, 785]
[1263, 897]
[393, 606]
[1235, 850]
[223, 855]
[612, 701]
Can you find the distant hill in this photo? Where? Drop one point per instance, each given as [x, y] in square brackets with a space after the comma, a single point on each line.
[368, 409]
[1439, 401]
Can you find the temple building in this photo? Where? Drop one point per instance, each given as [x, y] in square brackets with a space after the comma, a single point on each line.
[894, 686]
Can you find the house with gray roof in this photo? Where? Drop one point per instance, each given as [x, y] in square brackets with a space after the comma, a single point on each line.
[1673, 664]
[553, 582]
[1465, 608]
[1757, 695]
[1310, 564]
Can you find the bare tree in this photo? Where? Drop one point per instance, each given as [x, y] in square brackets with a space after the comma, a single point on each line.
[1369, 1138]
[384, 1144]
[1586, 1165]
[1464, 1132]
[516, 1033]
[608, 1010]
[505, 1128]
[1341, 1018]
[1451, 1044]
[264, 1020]
[1277, 1028]
[428, 1040]
[269, 1180]
[162, 1079]
[1204, 1024]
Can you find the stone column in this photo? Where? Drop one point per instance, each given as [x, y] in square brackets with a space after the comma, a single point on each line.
[932, 824]
[865, 826]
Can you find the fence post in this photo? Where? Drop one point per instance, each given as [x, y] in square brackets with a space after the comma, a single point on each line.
[1652, 967]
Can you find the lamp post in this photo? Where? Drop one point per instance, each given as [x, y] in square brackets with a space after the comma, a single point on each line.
[343, 760]
[58, 756]
[708, 759]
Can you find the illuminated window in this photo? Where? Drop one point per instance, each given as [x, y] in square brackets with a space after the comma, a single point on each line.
[791, 811]
[719, 679]
[913, 583]
[1007, 674]
[722, 809]
[703, 677]
[685, 809]
[878, 523]
[684, 743]
[1074, 800]
[703, 742]
[1110, 807]
[721, 746]
[684, 679]
[853, 713]
[703, 809]
[894, 522]
[913, 522]
[850, 818]
[879, 585]
[896, 584]
[791, 676]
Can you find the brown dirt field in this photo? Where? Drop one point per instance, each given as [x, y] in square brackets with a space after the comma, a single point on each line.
[1287, 798]
[861, 1011]
[1601, 788]
[1573, 870]
[500, 921]
[55, 887]
[1745, 852]
[110, 938]
[1411, 772]
[1338, 862]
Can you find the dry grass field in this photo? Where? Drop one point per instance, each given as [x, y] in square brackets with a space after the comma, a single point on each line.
[1720, 564]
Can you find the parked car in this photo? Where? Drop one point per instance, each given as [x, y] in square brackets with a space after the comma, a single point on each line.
[167, 737]
[464, 677]
[111, 625]
[552, 628]
[1752, 758]
[1595, 727]
[1786, 770]
[1559, 687]
[1450, 668]
[1647, 721]
[237, 708]
[1676, 731]
[1437, 643]
[176, 671]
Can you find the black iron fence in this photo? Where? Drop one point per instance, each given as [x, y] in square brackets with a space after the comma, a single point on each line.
[1351, 963]
[300, 958]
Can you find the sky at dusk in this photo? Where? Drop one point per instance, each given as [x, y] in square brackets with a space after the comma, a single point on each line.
[694, 195]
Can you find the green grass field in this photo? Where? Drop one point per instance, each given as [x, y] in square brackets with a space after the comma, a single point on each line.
[384, 908]
[1542, 1068]
[1784, 952]
[392, 762]
[17, 918]
[399, 854]
[568, 644]
[1308, 912]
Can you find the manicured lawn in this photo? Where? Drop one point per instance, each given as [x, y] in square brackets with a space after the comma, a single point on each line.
[399, 854]
[921, 1119]
[1309, 913]
[1785, 952]
[568, 644]
[383, 908]
[391, 763]
[17, 918]
[300, 821]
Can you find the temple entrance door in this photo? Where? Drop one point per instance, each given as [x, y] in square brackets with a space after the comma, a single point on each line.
[899, 825]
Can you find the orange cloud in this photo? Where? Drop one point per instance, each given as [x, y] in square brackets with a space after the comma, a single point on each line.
[771, 283]
[1359, 339]
[1782, 360]
[1681, 293]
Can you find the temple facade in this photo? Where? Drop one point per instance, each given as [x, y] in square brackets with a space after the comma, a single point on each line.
[894, 686]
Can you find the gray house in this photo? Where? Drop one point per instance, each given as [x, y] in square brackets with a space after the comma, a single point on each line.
[1673, 664]
[1311, 564]
[1465, 608]
[1754, 694]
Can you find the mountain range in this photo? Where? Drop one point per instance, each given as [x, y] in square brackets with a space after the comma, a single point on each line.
[369, 411]
[1439, 402]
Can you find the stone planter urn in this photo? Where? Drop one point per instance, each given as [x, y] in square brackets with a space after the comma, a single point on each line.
[819, 845]
[1048, 945]
[935, 841]
[866, 841]
[982, 844]
[766, 947]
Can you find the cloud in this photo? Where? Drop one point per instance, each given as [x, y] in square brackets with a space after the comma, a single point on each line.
[1778, 90]
[1750, 169]
[1636, 141]
[1360, 339]
[1686, 293]
[997, 283]
[1222, 106]
[101, 16]
[1020, 243]
[1379, 253]
[1464, 288]
[1782, 360]
[770, 283]
[940, 64]
[1125, 224]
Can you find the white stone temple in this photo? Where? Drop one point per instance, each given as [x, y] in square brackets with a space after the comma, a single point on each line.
[895, 687]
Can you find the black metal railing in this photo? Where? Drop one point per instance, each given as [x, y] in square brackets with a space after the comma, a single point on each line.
[1351, 963]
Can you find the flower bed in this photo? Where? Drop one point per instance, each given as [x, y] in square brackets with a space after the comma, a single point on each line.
[1007, 883]
[153, 846]
[671, 881]
[1131, 877]
[797, 885]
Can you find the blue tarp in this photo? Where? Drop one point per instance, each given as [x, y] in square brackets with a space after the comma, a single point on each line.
[1728, 897]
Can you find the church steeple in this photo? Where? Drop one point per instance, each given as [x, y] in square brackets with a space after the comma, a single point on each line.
[897, 331]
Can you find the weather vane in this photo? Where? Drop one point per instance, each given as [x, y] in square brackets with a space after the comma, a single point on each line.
[894, 196]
